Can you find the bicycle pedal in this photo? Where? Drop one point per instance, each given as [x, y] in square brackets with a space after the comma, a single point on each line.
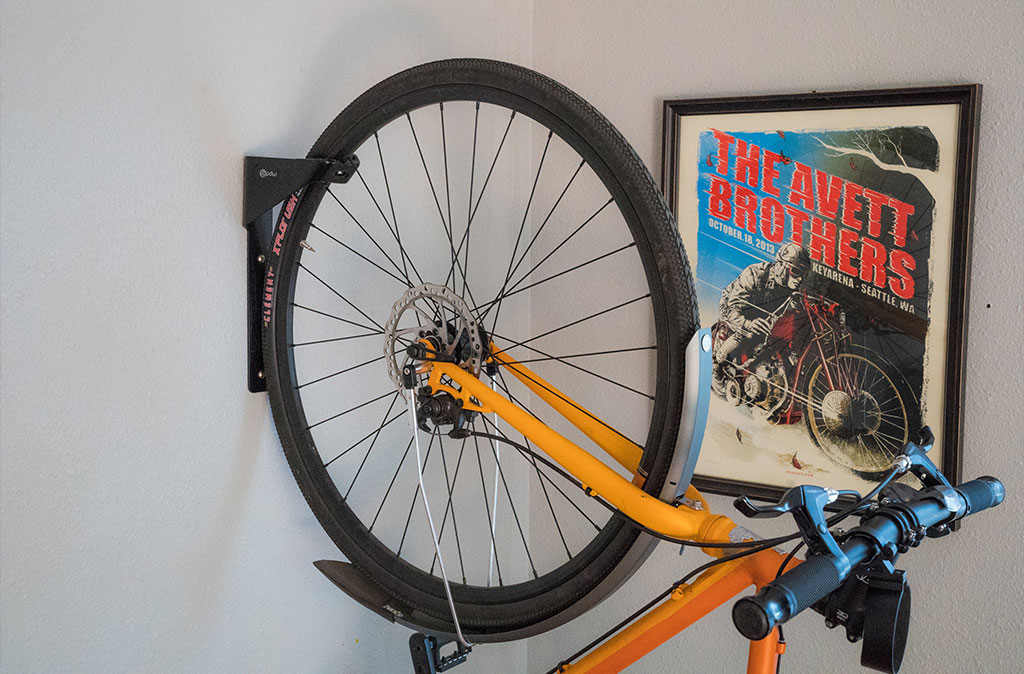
[426, 655]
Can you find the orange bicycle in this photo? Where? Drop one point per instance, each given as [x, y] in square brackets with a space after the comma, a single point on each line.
[472, 315]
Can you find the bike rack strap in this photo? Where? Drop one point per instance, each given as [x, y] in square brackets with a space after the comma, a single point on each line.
[267, 181]
[694, 417]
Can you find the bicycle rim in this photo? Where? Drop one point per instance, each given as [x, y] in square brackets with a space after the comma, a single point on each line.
[859, 416]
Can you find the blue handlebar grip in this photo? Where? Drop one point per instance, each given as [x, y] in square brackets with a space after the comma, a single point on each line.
[755, 617]
[984, 492]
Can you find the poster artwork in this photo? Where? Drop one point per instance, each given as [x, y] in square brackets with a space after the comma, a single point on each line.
[813, 263]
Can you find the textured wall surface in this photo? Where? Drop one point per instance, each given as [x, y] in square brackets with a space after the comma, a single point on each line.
[627, 58]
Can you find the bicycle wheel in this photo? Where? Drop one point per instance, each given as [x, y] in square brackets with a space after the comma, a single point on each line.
[859, 412]
[509, 191]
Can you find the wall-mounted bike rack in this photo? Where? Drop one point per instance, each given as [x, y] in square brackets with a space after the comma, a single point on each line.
[267, 182]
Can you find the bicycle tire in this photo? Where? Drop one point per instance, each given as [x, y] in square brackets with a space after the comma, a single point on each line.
[416, 598]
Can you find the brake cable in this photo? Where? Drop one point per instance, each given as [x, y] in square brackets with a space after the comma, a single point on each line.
[896, 470]
[682, 581]
[782, 567]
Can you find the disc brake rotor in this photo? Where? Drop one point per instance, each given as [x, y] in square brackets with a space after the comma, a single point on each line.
[458, 335]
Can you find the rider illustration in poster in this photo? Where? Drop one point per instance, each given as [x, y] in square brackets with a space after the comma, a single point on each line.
[813, 262]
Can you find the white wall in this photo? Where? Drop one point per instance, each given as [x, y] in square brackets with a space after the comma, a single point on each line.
[626, 58]
[148, 520]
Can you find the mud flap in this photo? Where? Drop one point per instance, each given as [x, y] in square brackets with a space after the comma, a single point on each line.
[356, 585]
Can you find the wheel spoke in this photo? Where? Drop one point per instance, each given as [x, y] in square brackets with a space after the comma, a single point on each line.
[469, 201]
[365, 438]
[859, 376]
[335, 339]
[515, 514]
[448, 195]
[359, 255]
[569, 325]
[430, 181]
[888, 400]
[890, 448]
[522, 225]
[573, 404]
[562, 243]
[383, 423]
[548, 356]
[517, 401]
[394, 217]
[448, 505]
[343, 298]
[533, 240]
[511, 396]
[550, 482]
[456, 262]
[583, 355]
[391, 484]
[480, 196]
[540, 479]
[552, 277]
[338, 318]
[877, 377]
[351, 409]
[387, 223]
[412, 503]
[394, 233]
[400, 270]
[487, 504]
[342, 371]
[455, 525]
[897, 440]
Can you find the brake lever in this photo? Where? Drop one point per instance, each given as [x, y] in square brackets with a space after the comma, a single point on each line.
[920, 465]
[807, 504]
[794, 498]
[747, 507]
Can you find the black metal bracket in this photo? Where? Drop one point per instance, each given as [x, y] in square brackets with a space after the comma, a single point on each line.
[268, 181]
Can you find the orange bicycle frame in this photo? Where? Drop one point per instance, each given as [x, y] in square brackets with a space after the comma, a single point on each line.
[689, 602]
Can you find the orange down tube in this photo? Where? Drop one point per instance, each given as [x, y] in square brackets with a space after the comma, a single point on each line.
[686, 605]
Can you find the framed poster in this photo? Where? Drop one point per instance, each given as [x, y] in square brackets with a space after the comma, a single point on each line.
[829, 235]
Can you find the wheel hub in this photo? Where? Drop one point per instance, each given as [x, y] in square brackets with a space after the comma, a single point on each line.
[435, 315]
[848, 416]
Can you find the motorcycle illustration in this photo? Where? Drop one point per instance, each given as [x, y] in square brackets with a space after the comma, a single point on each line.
[857, 407]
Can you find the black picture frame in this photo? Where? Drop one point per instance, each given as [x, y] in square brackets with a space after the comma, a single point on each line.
[682, 117]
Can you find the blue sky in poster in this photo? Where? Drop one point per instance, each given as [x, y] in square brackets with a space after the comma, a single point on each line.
[723, 252]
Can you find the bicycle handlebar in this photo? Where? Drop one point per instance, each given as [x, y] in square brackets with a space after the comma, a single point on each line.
[881, 534]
